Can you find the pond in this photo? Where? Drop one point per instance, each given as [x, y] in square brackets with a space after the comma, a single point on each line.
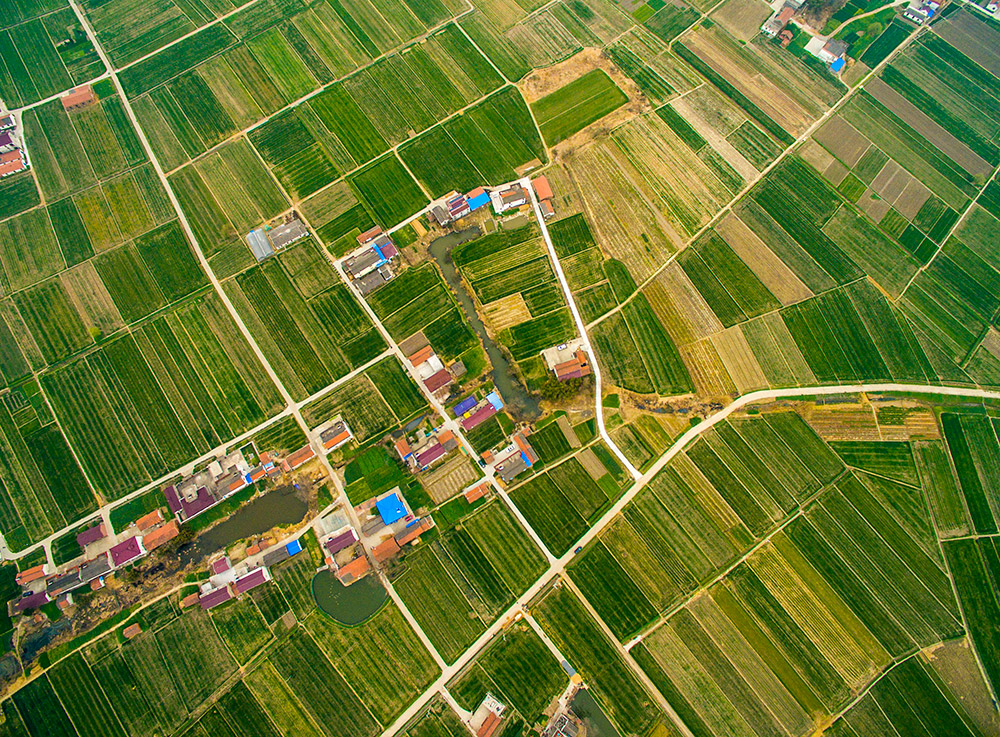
[520, 403]
[283, 506]
[348, 605]
[586, 707]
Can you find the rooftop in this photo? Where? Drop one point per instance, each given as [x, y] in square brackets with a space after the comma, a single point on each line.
[126, 551]
[391, 508]
[542, 189]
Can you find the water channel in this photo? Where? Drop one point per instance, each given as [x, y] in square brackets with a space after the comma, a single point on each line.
[285, 505]
[520, 403]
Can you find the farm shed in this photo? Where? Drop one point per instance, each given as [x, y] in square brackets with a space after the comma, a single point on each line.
[7, 142]
[464, 406]
[542, 189]
[478, 198]
[385, 550]
[251, 580]
[285, 235]
[215, 597]
[259, 244]
[149, 521]
[431, 455]
[437, 380]
[353, 571]
[340, 542]
[127, 551]
[413, 530]
[161, 535]
[78, 97]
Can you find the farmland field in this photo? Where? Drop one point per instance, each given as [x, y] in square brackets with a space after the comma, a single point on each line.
[517, 668]
[577, 105]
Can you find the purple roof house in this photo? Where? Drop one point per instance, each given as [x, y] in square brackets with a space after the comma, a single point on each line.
[127, 551]
[215, 597]
[91, 535]
[344, 540]
[251, 580]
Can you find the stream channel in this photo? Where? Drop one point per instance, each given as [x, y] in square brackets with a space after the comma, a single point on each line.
[521, 404]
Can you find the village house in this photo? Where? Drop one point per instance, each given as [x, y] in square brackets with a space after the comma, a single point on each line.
[78, 97]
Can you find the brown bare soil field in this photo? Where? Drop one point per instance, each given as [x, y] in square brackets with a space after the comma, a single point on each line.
[912, 198]
[777, 277]
[742, 18]
[972, 37]
[625, 225]
[873, 205]
[776, 103]
[929, 129]
[844, 422]
[593, 466]
[91, 298]
[448, 479]
[568, 432]
[725, 149]
[891, 181]
[842, 140]
[678, 303]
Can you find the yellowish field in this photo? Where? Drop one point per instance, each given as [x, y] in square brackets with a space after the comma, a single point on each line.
[738, 358]
[777, 277]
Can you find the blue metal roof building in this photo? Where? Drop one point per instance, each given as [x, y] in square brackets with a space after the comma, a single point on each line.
[391, 509]
[494, 399]
[838, 65]
[481, 199]
[465, 405]
[294, 547]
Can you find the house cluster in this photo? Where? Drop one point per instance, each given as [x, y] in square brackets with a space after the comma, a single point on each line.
[13, 157]
[388, 519]
[370, 266]
[567, 360]
[831, 52]
[265, 242]
[223, 478]
[103, 552]
[775, 25]
[429, 367]
[334, 434]
[227, 582]
[920, 12]
[512, 459]
[472, 411]
[427, 449]
[454, 206]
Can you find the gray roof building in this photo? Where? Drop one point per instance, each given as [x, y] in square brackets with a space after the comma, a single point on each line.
[259, 244]
[285, 235]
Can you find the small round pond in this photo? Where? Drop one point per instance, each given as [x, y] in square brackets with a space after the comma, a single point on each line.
[348, 605]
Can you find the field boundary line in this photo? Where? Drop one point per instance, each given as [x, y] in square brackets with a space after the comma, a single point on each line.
[318, 91]
[961, 219]
[813, 127]
[629, 661]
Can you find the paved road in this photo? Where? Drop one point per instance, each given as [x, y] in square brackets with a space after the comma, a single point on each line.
[581, 328]
[557, 568]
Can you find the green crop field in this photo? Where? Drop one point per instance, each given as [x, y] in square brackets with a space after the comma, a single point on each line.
[517, 668]
[576, 105]
[360, 654]
[434, 597]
